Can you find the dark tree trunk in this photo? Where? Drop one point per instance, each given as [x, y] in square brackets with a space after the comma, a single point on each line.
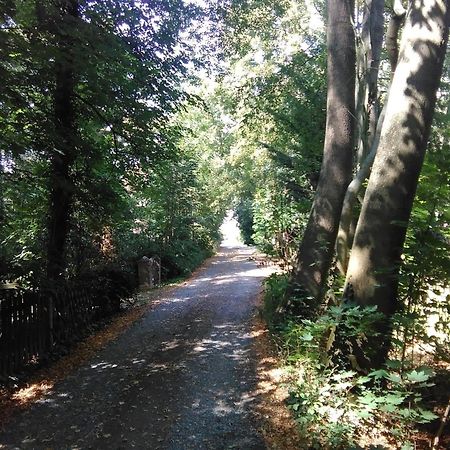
[372, 277]
[317, 247]
[64, 151]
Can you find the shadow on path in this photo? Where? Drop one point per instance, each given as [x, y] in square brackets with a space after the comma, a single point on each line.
[182, 377]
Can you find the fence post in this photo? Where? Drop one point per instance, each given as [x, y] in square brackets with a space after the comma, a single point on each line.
[50, 319]
[159, 270]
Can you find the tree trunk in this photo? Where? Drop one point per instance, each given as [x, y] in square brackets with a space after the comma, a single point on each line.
[317, 247]
[344, 239]
[64, 152]
[368, 63]
[367, 120]
[398, 14]
[372, 277]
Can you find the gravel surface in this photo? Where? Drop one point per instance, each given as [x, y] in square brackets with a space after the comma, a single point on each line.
[182, 377]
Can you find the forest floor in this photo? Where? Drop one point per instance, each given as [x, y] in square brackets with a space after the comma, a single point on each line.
[192, 370]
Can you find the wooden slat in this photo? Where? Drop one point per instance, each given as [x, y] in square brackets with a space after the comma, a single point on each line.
[26, 330]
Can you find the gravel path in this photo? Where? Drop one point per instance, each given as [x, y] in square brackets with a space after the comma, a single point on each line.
[182, 377]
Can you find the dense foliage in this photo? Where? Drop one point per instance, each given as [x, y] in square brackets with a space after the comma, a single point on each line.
[133, 185]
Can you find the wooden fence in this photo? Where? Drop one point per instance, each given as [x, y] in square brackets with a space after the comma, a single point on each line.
[33, 322]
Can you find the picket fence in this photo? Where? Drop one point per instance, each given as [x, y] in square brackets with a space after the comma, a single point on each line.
[32, 323]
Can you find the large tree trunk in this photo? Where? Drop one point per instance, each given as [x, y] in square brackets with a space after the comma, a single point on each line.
[372, 277]
[64, 152]
[317, 247]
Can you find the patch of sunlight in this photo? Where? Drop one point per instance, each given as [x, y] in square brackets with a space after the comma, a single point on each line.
[156, 367]
[246, 398]
[222, 408]
[103, 365]
[205, 344]
[224, 281]
[171, 345]
[257, 273]
[358, 270]
[230, 232]
[30, 393]
[179, 300]
[239, 355]
[199, 349]
[254, 334]
[138, 361]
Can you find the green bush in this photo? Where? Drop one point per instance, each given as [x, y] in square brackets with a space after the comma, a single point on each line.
[334, 404]
[274, 297]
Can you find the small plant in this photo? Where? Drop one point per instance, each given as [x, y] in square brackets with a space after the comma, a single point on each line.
[334, 406]
[274, 297]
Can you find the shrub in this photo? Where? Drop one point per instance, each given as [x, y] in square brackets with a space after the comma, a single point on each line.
[335, 405]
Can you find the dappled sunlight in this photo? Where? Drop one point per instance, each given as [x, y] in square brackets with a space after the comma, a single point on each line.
[33, 392]
[222, 409]
[171, 345]
[138, 361]
[357, 267]
[103, 366]
[193, 352]
[261, 272]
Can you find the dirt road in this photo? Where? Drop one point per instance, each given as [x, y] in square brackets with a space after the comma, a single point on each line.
[182, 377]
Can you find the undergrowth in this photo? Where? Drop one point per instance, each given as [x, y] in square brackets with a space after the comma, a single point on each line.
[335, 405]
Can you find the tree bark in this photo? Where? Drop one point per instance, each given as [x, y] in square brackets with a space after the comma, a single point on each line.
[367, 119]
[369, 52]
[317, 247]
[397, 17]
[64, 151]
[344, 239]
[372, 277]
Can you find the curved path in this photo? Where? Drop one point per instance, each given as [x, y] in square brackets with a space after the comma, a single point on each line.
[182, 377]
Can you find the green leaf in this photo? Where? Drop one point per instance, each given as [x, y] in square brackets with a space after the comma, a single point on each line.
[369, 400]
[394, 399]
[377, 374]
[417, 377]
[407, 446]
[388, 408]
[363, 380]
[426, 416]
[395, 378]
[307, 337]
[394, 363]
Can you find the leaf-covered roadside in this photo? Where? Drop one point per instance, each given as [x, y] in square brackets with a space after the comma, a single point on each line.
[20, 392]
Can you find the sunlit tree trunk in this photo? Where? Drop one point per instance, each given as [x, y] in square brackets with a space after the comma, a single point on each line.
[64, 151]
[317, 247]
[372, 277]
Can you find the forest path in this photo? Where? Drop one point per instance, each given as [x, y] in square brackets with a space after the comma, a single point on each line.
[182, 377]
